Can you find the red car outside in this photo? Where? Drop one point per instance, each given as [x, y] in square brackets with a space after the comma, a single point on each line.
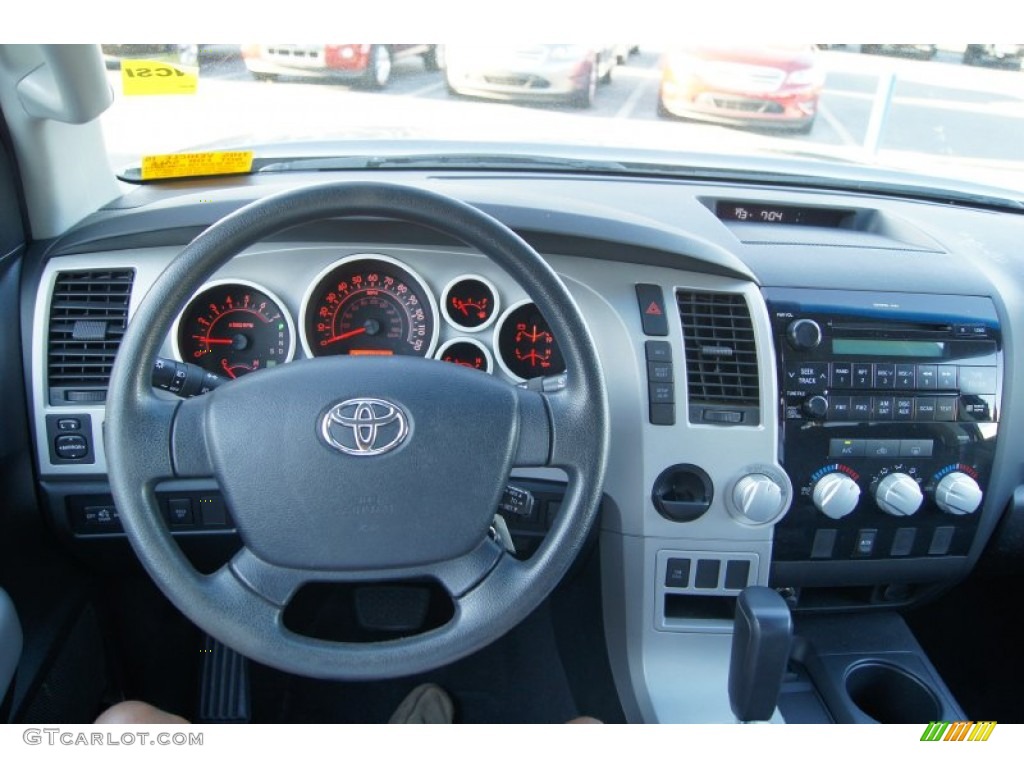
[773, 86]
[367, 64]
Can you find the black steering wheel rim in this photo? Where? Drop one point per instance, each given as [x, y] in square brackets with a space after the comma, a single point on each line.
[148, 439]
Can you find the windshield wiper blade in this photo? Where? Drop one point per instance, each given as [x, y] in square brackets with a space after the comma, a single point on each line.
[440, 160]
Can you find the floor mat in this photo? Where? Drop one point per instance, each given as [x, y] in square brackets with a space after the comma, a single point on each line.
[518, 679]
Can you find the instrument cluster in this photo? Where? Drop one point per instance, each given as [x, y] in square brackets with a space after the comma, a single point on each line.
[365, 304]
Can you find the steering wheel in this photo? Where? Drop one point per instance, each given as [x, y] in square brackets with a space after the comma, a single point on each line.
[307, 511]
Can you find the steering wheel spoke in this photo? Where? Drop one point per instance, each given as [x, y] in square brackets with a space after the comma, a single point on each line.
[277, 584]
[189, 452]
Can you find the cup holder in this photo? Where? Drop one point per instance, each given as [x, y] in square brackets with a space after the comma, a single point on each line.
[889, 694]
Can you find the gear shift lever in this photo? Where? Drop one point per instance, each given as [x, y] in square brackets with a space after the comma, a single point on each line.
[761, 638]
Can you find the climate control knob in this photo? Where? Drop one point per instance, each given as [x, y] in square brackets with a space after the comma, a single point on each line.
[758, 499]
[836, 495]
[898, 494]
[958, 494]
[804, 334]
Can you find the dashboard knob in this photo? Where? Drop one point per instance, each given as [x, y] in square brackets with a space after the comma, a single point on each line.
[758, 498]
[804, 333]
[836, 495]
[958, 494]
[816, 406]
[898, 495]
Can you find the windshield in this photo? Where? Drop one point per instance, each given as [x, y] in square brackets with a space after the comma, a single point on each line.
[949, 110]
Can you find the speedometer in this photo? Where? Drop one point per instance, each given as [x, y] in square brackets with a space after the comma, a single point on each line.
[369, 304]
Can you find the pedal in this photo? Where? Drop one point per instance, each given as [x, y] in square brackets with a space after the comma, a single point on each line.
[224, 692]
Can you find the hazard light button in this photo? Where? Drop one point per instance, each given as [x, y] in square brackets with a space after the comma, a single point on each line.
[653, 317]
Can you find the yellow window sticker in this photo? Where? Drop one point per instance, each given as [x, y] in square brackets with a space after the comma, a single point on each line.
[195, 164]
[145, 77]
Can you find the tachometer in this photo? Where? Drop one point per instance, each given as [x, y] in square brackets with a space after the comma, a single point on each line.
[369, 305]
[233, 327]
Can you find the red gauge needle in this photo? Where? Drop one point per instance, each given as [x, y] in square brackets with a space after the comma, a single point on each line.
[215, 341]
[345, 335]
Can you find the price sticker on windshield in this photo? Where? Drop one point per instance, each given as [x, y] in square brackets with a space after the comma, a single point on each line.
[195, 164]
[145, 77]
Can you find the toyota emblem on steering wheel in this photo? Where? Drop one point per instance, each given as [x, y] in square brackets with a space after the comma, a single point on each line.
[364, 426]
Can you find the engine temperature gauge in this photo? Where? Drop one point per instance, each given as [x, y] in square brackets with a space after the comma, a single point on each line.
[232, 328]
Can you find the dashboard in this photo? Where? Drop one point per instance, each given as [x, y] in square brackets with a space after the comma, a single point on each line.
[811, 390]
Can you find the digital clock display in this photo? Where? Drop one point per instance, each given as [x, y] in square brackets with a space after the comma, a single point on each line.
[758, 213]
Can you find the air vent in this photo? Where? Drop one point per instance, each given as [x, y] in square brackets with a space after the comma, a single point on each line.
[88, 316]
[721, 358]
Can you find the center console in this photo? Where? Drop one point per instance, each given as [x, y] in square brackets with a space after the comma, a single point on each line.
[889, 412]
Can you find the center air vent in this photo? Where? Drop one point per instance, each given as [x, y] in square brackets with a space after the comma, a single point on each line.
[721, 358]
[88, 317]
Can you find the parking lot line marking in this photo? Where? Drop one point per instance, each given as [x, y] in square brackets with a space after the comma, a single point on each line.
[844, 135]
[426, 90]
[626, 110]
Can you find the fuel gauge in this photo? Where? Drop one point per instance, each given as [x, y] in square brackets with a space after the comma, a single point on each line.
[234, 327]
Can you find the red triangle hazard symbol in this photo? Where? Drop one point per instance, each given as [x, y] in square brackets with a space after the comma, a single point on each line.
[653, 309]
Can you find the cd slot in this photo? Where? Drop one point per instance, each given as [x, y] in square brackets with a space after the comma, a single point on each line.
[875, 328]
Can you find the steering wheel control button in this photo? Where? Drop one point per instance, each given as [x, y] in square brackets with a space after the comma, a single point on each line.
[364, 426]
[71, 447]
[677, 573]
[179, 512]
[653, 318]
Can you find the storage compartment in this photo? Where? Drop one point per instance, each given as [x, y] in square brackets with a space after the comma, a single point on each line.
[889, 694]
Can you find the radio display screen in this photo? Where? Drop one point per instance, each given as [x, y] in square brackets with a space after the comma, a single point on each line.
[888, 348]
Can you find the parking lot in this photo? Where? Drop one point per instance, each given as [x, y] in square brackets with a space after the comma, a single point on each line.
[934, 112]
